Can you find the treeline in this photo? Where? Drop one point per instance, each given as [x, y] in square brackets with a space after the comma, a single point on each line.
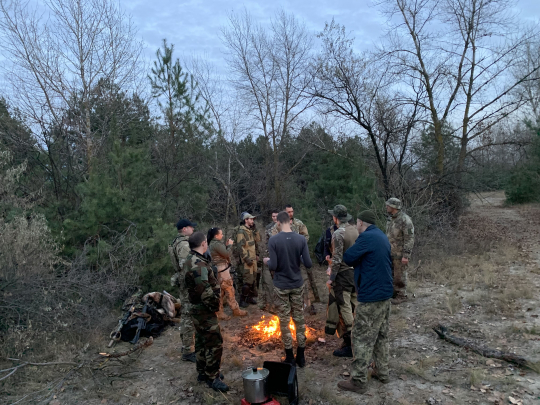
[100, 157]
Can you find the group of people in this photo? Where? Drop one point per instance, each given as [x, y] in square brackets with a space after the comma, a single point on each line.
[367, 271]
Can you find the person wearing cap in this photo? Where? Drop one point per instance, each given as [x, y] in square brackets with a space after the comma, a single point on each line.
[179, 249]
[400, 232]
[245, 246]
[372, 262]
[341, 298]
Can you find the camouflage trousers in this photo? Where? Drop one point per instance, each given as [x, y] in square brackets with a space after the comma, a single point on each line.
[370, 339]
[187, 329]
[290, 304]
[340, 311]
[399, 274]
[227, 292]
[267, 298]
[208, 341]
[246, 280]
[312, 284]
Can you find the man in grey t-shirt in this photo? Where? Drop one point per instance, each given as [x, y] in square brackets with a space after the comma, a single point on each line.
[287, 251]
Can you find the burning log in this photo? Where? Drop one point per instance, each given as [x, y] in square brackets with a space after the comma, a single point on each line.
[266, 334]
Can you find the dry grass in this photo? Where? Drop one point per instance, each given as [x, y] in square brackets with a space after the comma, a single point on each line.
[453, 303]
[476, 376]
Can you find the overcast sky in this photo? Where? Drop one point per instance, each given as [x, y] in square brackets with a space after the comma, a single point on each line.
[194, 26]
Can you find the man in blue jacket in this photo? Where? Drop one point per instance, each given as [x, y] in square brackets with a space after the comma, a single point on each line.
[372, 262]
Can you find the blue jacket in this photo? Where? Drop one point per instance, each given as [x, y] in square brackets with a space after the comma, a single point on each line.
[370, 257]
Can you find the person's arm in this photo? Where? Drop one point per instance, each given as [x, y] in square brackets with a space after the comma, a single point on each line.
[302, 230]
[272, 263]
[306, 259]
[337, 256]
[224, 252]
[210, 292]
[182, 252]
[408, 239]
[354, 254]
[241, 243]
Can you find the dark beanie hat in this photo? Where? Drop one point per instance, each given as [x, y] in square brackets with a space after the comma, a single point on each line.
[367, 216]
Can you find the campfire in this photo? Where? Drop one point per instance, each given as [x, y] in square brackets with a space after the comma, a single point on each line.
[266, 333]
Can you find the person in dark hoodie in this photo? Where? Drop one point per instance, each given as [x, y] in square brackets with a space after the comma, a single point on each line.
[370, 256]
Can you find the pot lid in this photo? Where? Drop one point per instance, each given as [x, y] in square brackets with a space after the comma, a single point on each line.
[255, 373]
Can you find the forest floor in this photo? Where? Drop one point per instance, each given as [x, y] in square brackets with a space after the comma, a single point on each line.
[490, 294]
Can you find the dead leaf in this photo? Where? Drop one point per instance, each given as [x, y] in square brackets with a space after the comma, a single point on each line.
[403, 377]
[344, 366]
[490, 362]
[346, 374]
[512, 400]
[103, 401]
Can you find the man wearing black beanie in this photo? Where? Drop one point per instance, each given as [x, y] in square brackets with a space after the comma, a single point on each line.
[371, 259]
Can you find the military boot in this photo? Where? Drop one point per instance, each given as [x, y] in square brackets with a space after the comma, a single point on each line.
[289, 357]
[189, 357]
[222, 315]
[219, 385]
[239, 312]
[300, 358]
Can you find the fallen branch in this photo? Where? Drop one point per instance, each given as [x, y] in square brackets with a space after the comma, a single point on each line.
[13, 369]
[482, 350]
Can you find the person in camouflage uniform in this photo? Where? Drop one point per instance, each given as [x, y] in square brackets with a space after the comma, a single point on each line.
[246, 246]
[342, 297]
[400, 232]
[287, 250]
[221, 258]
[180, 246]
[370, 257]
[298, 227]
[267, 299]
[204, 296]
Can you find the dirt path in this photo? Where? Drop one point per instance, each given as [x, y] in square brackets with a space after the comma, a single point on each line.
[489, 292]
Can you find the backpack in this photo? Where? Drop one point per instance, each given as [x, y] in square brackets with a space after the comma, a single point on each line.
[172, 254]
[319, 248]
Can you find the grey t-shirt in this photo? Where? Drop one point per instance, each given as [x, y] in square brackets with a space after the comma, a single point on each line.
[287, 251]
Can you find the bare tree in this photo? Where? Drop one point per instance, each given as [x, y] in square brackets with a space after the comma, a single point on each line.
[462, 53]
[269, 73]
[359, 90]
[58, 56]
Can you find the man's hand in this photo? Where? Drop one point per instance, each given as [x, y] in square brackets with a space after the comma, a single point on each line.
[329, 270]
[249, 261]
[266, 260]
[404, 260]
[257, 258]
[229, 242]
[329, 284]
[327, 258]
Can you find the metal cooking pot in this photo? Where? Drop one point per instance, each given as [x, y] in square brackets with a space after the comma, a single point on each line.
[255, 384]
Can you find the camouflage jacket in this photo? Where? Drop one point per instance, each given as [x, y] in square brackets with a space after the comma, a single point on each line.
[181, 249]
[400, 232]
[297, 226]
[268, 230]
[342, 239]
[201, 283]
[246, 245]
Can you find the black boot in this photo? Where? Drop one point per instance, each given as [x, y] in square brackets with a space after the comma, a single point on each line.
[289, 357]
[244, 299]
[345, 351]
[300, 359]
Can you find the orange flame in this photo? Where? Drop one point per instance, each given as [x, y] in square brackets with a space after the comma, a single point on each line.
[270, 328]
